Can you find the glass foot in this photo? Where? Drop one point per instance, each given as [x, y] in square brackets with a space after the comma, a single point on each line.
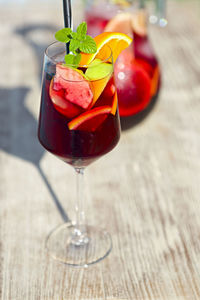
[93, 246]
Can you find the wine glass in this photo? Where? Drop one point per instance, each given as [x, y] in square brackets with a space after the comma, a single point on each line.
[78, 123]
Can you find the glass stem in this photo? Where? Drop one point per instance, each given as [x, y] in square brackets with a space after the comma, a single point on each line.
[79, 235]
[80, 214]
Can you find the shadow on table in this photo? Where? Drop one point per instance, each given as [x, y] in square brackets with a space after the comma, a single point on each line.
[38, 37]
[18, 130]
[18, 127]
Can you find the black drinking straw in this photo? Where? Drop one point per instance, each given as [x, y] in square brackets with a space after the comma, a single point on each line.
[67, 12]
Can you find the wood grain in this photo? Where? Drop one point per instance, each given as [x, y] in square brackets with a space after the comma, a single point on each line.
[146, 192]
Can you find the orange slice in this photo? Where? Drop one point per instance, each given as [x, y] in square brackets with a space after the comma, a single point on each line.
[115, 40]
[98, 87]
[155, 81]
[114, 104]
[129, 23]
[120, 23]
[139, 22]
[91, 119]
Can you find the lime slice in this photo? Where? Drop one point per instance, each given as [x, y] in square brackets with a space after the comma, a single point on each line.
[98, 69]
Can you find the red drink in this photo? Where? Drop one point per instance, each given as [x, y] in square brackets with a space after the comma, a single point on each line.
[91, 139]
[137, 76]
[137, 73]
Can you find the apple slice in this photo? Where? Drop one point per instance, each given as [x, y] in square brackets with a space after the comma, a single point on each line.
[91, 119]
[62, 105]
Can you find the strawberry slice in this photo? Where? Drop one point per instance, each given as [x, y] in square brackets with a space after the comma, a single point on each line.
[62, 105]
[76, 88]
[90, 120]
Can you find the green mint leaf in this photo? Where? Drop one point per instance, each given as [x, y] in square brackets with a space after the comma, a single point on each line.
[63, 35]
[78, 42]
[72, 60]
[88, 45]
[77, 59]
[81, 31]
[74, 45]
[74, 35]
[69, 59]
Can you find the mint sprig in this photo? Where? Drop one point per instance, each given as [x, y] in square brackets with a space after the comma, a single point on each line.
[78, 41]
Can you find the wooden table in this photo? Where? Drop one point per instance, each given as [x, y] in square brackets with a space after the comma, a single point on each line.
[146, 192]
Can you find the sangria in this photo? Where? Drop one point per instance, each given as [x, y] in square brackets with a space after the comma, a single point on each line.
[78, 110]
[79, 123]
[137, 71]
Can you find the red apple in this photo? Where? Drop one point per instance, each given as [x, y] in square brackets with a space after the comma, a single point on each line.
[133, 87]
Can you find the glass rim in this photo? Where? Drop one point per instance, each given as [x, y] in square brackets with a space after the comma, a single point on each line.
[71, 65]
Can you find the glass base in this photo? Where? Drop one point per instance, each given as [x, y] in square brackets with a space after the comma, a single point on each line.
[65, 246]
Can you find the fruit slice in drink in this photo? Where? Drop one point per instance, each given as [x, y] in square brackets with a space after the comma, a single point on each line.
[74, 92]
[114, 104]
[113, 40]
[133, 87]
[61, 104]
[91, 119]
[99, 74]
